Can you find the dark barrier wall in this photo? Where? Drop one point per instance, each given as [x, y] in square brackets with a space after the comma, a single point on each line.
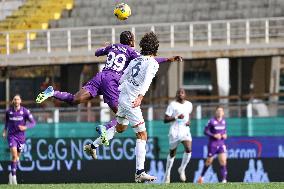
[244, 147]
[69, 171]
[59, 160]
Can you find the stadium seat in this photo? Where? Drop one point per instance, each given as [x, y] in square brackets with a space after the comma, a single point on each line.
[32, 15]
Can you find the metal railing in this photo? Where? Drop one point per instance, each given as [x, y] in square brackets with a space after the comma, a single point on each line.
[253, 108]
[189, 36]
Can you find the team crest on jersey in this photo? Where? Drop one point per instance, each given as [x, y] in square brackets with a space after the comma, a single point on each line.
[21, 112]
[215, 122]
[10, 113]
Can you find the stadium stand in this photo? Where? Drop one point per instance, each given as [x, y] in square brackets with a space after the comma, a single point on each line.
[8, 6]
[184, 26]
[32, 15]
[94, 13]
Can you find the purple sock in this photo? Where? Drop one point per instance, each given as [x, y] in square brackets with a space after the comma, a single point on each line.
[204, 170]
[13, 167]
[64, 96]
[224, 172]
[111, 124]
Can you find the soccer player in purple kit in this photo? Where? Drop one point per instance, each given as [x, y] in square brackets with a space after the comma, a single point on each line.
[105, 82]
[216, 130]
[17, 120]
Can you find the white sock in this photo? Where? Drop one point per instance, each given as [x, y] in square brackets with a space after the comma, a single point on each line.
[14, 179]
[97, 142]
[170, 162]
[110, 134]
[140, 152]
[185, 159]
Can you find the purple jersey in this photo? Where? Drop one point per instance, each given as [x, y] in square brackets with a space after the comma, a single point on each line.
[118, 57]
[215, 127]
[15, 118]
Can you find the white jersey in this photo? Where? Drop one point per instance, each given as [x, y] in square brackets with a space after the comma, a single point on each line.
[136, 80]
[179, 131]
[138, 76]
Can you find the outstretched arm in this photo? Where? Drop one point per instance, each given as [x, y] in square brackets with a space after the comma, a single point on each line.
[171, 59]
[207, 130]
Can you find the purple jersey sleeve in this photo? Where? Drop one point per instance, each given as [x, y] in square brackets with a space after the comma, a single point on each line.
[103, 51]
[161, 60]
[207, 130]
[30, 121]
[133, 53]
[224, 131]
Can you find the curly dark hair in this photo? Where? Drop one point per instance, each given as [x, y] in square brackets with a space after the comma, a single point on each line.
[149, 44]
[126, 37]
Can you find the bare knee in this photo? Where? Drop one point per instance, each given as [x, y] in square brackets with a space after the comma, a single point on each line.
[222, 159]
[14, 158]
[187, 146]
[223, 162]
[209, 161]
[142, 135]
[81, 97]
[173, 153]
[121, 128]
[187, 149]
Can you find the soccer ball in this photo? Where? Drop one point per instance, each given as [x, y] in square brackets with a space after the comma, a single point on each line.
[122, 11]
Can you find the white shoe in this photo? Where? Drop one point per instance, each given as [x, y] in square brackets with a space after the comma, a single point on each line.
[91, 152]
[144, 177]
[167, 179]
[14, 180]
[182, 174]
[224, 181]
[48, 92]
[10, 179]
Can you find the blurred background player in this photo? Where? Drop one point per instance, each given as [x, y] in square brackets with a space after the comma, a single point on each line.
[178, 114]
[17, 120]
[216, 130]
[135, 82]
[105, 82]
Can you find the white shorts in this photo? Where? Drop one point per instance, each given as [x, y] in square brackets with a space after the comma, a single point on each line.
[174, 141]
[126, 114]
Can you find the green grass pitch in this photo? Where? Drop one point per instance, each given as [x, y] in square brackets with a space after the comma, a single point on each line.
[278, 185]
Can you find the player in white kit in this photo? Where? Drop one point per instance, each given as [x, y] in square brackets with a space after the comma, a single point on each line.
[135, 82]
[178, 114]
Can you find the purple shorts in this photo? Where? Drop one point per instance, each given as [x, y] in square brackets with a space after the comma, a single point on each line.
[216, 149]
[105, 83]
[15, 141]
